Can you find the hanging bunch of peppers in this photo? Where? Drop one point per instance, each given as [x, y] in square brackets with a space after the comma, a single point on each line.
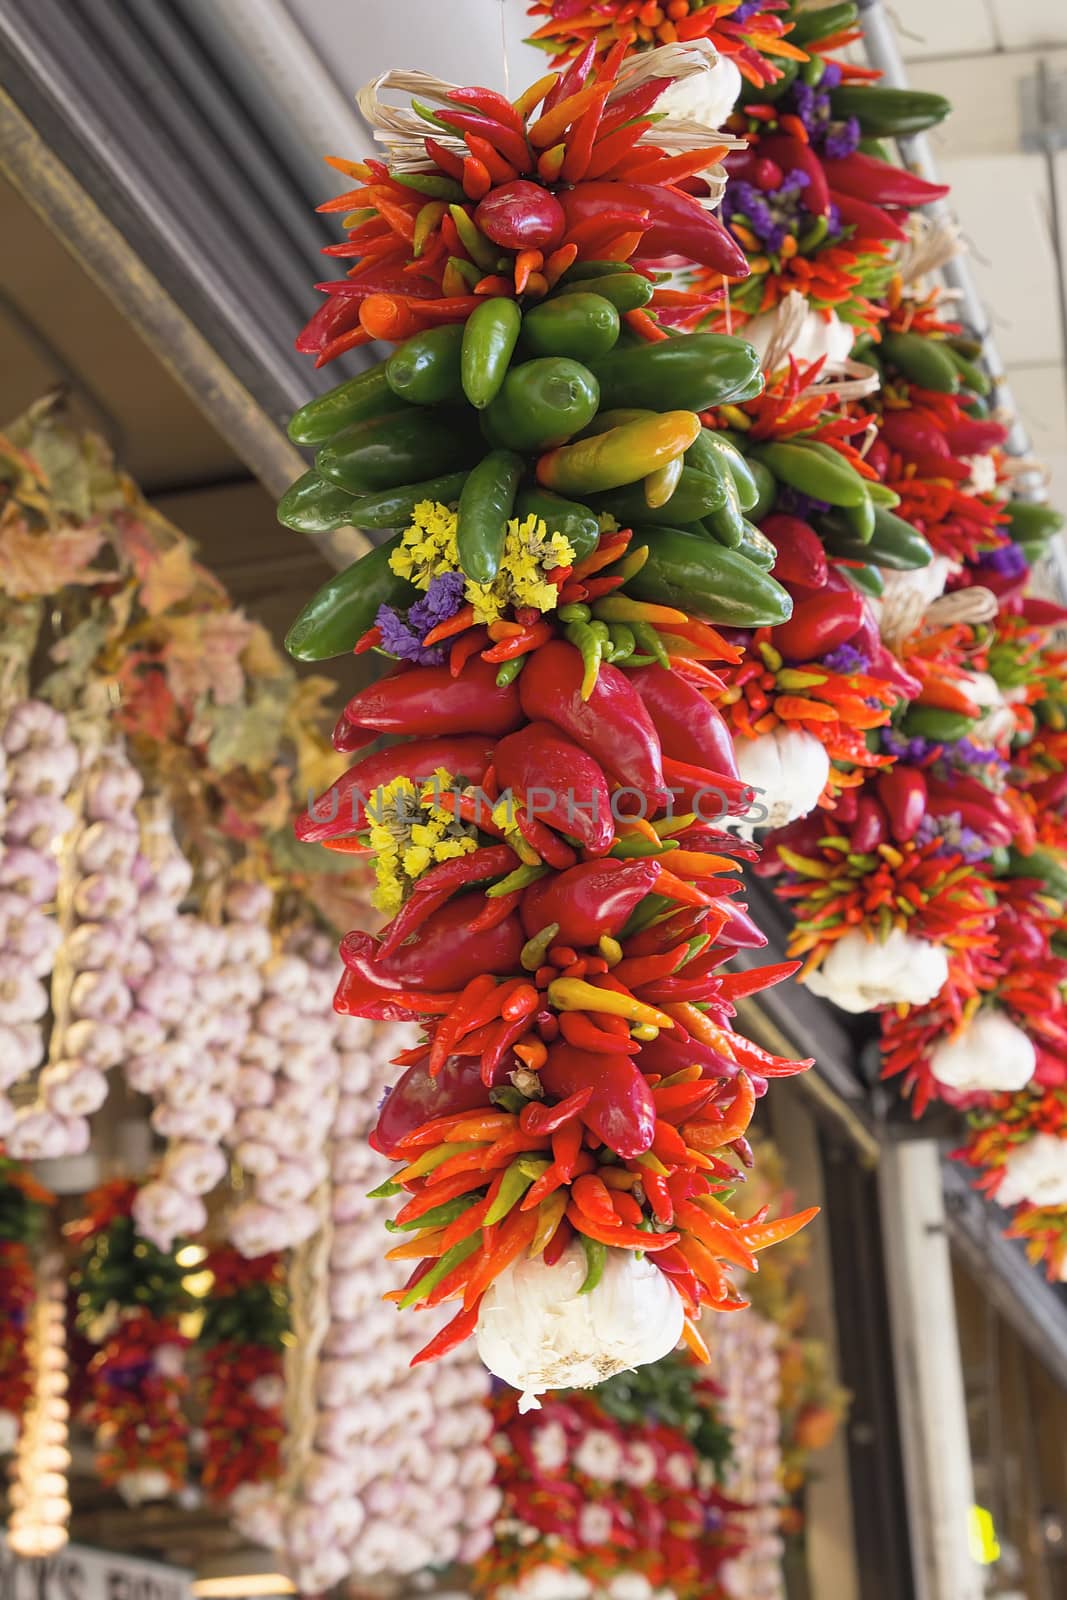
[604, 1489]
[131, 1298]
[24, 1205]
[549, 837]
[239, 1371]
[913, 693]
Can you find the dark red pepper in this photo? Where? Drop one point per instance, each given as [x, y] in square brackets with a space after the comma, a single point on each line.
[689, 727]
[429, 701]
[873, 222]
[557, 783]
[341, 809]
[792, 156]
[594, 898]
[621, 1111]
[902, 791]
[819, 624]
[871, 825]
[418, 1098]
[675, 223]
[521, 216]
[612, 726]
[668, 1054]
[801, 559]
[444, 953]
[439, 884]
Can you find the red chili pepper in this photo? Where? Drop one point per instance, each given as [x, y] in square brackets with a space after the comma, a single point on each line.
[684, 924]
[736, 985]
[871, 221]
[430, 701]
[902, 791]
[438, 884]
[621, 1236]
[451, 1028]
[590, 900]
[341, 809]
[676, 224]
[359, 996]
[443, 954]
[579, 1029]
[514, 1237]
[567, 1146]
[801, 559]
[497, 910]
[689, 727]
[452, 1334]
[536, 1117]
[620, 1111]
[489, 103]
[668, 1055]
[520, 644]
[818, 625]
[792, 155]
[871, 825]
[712, 795]
[626, 1208]
[510, 143]
[593, 1199]
[611, 725]
[557, 1244]
[867, 178]
[557, 782]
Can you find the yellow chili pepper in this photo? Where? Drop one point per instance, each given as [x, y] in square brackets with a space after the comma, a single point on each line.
[574, 994]
[619, 456]
[549, 1216]
[434, 1158]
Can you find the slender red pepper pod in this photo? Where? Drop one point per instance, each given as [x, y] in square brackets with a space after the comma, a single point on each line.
[557, 783]
[591, 899]
[1043, 612]
[882, 663]
[439, 884]
[417, 1098]
[978, 807]
[689, 727]
[871, 825]
[819, 624]
[621, 1111]
[902, 791]
[429, 701]
[739, 930]
[668, 1054]
[675, 223]
[914, 433]
[973, 436]
[801, 560]
[612, 725]
[867, 178]
[341, 808]
[712, 795]
[871, 221]
[1051, 792]
[443, 955]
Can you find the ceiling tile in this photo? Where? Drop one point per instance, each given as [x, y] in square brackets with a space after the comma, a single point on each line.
[1003, 206]
[943, 28]
[1022, 24]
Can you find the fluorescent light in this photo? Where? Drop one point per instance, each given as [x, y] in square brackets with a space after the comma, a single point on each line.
[238, 1585]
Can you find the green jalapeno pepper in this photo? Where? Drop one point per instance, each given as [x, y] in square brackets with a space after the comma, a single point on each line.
[727, 523]
[810, 26]
[894, 543]
[868, 580]
[581, 325]
[366, 395]
[757, 548]
[425, 369]
[627, 291]
[541, 403]
[922, 361]
[490, 335]
[694, 496]
[888, 113]
[710, 450]
[311, 505]
[1028, 521]
[813, 473]
[697, 576]
[485, 505]
[690, 371]
[385, 452]
[392, 508]
[932, 722]
[346, 606]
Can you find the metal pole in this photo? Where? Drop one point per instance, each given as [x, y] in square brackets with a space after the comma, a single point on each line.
[926, 1357]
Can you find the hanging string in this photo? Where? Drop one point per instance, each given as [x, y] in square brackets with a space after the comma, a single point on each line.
[504, 50]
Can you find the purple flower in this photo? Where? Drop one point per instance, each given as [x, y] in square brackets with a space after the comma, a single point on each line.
[746, 9]
[399, 640]
[442, 600]
[831, 76]
[847, 660]
[772, 214]
[1009, 561]
[910, 750]
[841, 139]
